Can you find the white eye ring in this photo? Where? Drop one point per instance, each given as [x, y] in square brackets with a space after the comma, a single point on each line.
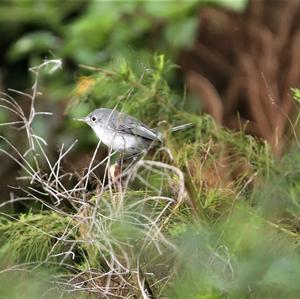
[93, 118]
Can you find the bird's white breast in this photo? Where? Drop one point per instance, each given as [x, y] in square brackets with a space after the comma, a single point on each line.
[118, 141]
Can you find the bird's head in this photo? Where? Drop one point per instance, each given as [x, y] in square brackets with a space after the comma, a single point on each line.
[94, 118]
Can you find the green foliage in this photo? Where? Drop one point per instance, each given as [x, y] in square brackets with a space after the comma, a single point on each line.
[94, 30]
[254, 252]
[30, 285]
[31, 237]
[36, 42]
[296, 94]
[241, 257]
[232, 4]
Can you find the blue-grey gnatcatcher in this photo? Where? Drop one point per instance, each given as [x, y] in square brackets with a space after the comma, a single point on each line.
[121, 132]
[124, 133]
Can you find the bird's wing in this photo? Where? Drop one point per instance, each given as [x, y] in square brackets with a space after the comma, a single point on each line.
[145, 132]
[131, 125]
[139, 129]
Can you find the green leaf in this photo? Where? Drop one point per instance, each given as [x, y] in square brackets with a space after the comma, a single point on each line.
[296, 94]
[33, 43]
[237, 5]
[184, 30]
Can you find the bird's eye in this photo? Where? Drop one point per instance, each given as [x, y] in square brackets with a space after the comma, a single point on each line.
[94, 118]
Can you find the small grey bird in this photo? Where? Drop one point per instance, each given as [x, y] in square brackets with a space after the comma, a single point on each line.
[121, 132]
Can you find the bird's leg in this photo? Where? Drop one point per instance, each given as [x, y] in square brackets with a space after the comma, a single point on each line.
[115, 171]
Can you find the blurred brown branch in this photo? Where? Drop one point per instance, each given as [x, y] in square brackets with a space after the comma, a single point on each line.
[243, 66]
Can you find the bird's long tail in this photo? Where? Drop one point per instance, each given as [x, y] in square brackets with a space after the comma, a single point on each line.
[182, 127]
[174, 129]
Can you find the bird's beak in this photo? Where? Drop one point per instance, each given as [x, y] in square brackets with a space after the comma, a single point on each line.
[80, 119]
